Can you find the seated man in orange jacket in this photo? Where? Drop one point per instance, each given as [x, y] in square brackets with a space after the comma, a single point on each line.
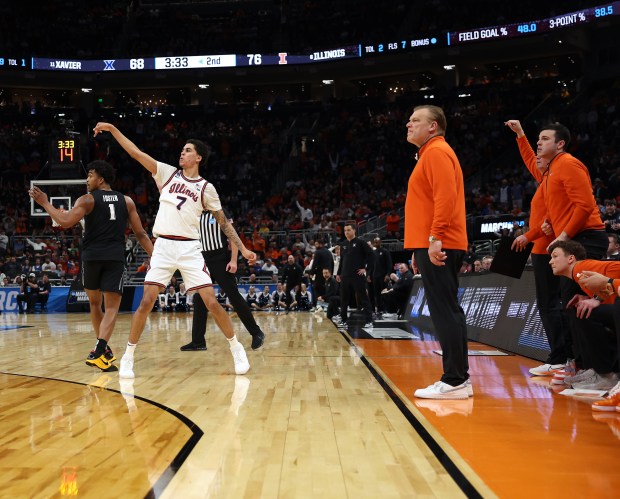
[596, 312]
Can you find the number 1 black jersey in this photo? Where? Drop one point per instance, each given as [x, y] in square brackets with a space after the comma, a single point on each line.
[104, 230]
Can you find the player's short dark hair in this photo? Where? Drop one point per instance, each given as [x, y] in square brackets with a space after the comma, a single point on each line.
[104, 169]
[201, 148]
[561, 132]
[570, 248]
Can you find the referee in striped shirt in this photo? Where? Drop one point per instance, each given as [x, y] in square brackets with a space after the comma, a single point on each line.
[222, 267]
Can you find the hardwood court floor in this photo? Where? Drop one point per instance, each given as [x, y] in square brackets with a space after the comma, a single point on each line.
[320, 414]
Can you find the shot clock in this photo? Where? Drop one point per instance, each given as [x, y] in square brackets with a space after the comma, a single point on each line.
[66, 152]
[64, 158]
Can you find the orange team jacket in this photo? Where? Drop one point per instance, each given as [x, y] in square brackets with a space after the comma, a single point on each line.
[610, 269]
[567, 191]
[537, 205]
[435, 203]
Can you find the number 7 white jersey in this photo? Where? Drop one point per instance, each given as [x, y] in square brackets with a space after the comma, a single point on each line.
[181, 202]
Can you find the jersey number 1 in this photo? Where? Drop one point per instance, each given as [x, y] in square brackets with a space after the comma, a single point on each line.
[112, 212]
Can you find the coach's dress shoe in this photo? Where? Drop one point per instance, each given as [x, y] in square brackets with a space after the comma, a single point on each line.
[192, 347]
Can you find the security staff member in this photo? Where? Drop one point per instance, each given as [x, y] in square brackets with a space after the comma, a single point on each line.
[222, 269]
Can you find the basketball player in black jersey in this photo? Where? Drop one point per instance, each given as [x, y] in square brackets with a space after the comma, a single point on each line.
[106, 213]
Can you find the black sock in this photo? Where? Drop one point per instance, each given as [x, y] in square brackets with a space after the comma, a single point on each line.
[100, 347]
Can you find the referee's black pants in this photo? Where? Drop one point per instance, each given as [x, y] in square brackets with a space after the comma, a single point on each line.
[441, 285]
[216, 263]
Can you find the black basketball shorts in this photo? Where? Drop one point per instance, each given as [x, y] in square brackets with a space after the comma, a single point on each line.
[105, 275]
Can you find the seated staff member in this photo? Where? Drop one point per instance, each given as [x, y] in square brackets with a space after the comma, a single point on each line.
[264, 299]
[278, 298]
[593, 313]
[222, 265]
[252, 298]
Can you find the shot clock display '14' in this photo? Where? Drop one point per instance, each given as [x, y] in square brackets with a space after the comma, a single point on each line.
[65, 158]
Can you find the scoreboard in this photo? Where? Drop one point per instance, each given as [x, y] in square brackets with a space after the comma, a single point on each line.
[441, 39]
[568, 20]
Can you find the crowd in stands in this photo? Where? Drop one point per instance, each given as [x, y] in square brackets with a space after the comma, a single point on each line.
[352, 165]
[111, 28]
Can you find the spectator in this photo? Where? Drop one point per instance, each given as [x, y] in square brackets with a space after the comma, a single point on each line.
[4, 242]
[392, 225]
[269, 268]
[613, 250]
[144, 267]
[48, 265]
[486, 263]
[396, 297]
[611, 217]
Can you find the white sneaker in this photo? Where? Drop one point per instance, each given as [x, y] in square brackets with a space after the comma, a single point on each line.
[580, 376]
[546, 369]
[470, 388]
[597, 382]
[441, 390]
[242, 365]
[126, 370]
[368, 325]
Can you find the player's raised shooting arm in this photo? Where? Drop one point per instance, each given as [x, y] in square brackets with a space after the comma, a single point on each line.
[130, 148]
[66, 219]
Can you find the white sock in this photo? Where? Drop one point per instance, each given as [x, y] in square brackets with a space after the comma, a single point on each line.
[232, 342]
[130, 349]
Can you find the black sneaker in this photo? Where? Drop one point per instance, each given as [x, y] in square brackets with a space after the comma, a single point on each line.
[109, 355]
[101, 362]
[258, 340]
[192, 347]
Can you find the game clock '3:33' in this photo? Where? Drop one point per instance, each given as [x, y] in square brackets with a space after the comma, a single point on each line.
[65, 152]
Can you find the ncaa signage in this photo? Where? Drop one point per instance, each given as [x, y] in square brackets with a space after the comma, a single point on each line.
[8, 299]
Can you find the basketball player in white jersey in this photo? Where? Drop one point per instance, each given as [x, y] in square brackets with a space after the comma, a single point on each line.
[183, 198]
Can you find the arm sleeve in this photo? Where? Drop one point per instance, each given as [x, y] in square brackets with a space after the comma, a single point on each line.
[534, 233]
[529, 157]
[443, 180]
